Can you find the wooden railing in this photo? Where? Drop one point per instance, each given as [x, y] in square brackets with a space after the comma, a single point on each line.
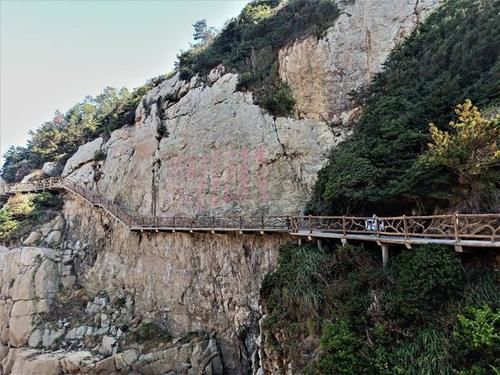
[32, 186]
[452, 227]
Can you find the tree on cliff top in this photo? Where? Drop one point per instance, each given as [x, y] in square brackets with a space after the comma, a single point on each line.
[203, 34]
[470, 152]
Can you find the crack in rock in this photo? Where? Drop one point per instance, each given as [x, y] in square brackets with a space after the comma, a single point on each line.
[297, 179]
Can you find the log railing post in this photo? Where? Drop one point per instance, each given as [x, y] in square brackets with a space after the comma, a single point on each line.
[310, 224]
[241, 222]
[405, 227]
[262, 221]
[173, 222]
[455, 224]
[213, 222]
[377, 231]
[343, 226]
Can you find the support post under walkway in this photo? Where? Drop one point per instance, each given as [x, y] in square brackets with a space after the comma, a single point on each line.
[385, 253]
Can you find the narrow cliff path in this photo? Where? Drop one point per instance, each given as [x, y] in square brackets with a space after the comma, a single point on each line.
[458, 230]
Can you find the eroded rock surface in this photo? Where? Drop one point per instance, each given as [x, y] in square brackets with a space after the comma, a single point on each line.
[208, 150]
[188, 282]
[196, 356]
[322, 72]
[30, 281]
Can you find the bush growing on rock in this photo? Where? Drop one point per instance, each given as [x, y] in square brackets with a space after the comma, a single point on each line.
[400, 320]
[296, 288]
[99, 155]
[279, 101]
[24, 211]
[7, 223]
[415, 295]
[341, 347]
[478, 336]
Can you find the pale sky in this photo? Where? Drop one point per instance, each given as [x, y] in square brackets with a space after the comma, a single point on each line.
[55, 52]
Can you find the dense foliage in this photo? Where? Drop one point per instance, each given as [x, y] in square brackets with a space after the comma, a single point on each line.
[424, 314]
[249, 44]
[24, 211]
[58, 139]
[416, 295]
[452, 56]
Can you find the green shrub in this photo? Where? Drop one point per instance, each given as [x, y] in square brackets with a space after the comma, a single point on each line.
[482, 289]
[279, 101]
[479, 328]
[47, 199]
[427, 353]
[7, 223]
[478, 340]
[341, 349]
[296, 287]
[426, 279]
[398, 320]
[99, 155]
[245, 80]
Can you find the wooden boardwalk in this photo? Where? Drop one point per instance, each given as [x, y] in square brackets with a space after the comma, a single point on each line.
[458, 230]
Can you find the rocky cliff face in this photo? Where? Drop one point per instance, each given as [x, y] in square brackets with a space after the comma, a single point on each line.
[197, 148]
[119, 302]
[208, 150]
[323, 72]
[188, 282]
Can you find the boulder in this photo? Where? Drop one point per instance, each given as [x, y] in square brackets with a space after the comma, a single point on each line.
[52, 169]
[84, 154]
[35, 175]
[53, 238]
[108, 345]
[33, 239]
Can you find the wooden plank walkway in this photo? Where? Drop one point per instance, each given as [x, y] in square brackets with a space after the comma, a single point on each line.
[459, 230]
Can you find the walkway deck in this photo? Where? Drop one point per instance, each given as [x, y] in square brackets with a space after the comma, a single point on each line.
[459, 230]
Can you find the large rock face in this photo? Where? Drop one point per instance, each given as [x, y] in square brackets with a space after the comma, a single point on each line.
[190, 282]
[85, 153]
[209, 150]
[322, 73]
[30, 280]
